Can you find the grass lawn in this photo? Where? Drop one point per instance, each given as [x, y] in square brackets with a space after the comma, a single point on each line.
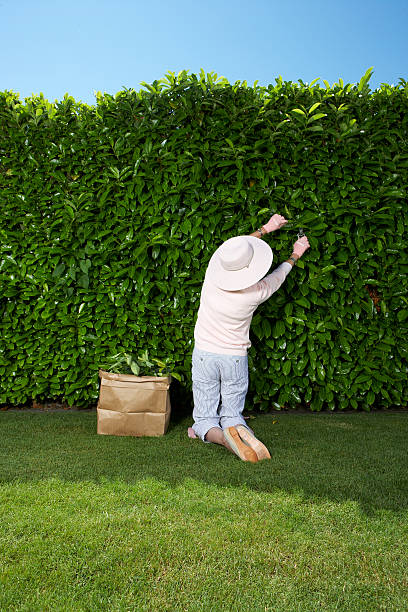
[95, 523]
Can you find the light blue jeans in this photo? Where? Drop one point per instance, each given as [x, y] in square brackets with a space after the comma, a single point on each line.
[220, 385]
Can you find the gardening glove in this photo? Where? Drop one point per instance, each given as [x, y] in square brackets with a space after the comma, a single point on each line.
[274, 223]
[301, 245]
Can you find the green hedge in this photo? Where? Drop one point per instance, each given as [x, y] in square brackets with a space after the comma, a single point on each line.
[111, 212]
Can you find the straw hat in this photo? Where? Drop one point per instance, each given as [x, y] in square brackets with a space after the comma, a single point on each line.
[239, 263]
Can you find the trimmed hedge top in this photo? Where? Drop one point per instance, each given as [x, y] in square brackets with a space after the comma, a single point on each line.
[111, 213]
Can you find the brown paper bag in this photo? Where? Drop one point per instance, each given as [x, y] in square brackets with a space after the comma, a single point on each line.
[133, 405]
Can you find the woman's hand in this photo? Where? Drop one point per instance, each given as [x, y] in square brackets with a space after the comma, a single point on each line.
[274, 223]
[301, 245]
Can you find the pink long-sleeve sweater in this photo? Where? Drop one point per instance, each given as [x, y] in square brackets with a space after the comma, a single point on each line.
[224, 317]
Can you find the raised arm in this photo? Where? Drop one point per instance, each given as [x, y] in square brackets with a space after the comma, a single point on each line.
[271, 283]
[274, 223]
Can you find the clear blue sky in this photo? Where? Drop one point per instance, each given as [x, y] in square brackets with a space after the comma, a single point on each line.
[82, 46]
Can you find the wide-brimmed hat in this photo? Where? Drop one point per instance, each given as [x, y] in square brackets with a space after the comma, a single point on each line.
[239, 263]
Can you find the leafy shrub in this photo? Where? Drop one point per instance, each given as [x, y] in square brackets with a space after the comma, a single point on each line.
[111, 212]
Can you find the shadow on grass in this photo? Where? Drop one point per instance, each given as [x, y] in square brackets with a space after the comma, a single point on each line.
[360, 457]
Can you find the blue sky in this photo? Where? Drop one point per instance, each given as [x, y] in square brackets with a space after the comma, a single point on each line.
[80, 47]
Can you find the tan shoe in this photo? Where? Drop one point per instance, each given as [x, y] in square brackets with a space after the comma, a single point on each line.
[260, 449]
[243, 451]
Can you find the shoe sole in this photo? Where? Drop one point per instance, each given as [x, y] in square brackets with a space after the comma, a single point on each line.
[259, 448]
[243, 451]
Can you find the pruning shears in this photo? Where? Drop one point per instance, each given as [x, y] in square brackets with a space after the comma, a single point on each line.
[301, 233]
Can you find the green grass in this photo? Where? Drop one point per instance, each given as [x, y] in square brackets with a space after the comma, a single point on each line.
[95, 523]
